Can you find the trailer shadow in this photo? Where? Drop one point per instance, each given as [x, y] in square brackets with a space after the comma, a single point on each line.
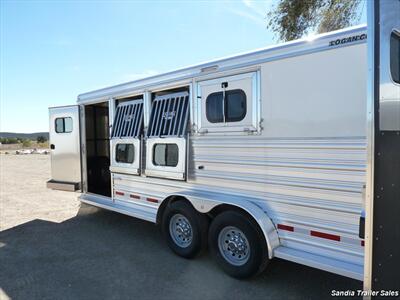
[101, 254]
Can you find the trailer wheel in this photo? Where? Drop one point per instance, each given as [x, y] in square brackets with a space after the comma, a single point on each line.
[238, 245]
[184, 229]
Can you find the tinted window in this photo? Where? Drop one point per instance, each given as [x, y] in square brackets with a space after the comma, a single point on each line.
[63, 125]
[395, 56]
[165, 155]
[232, 107]
[214, 107]
[235, 105]
[125, 153]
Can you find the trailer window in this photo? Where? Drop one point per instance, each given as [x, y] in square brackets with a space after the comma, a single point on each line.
[395, 56]
[165, 155]
[226, 107]
[63, 125]
[125, 153]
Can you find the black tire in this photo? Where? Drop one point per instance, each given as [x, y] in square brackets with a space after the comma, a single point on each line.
[258, 256]
[199, 224]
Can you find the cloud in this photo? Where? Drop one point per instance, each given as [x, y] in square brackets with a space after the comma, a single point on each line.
[255, 11]
[250, 16]
[257, 7]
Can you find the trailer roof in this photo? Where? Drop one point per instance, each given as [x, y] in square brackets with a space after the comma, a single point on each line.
[331, 40]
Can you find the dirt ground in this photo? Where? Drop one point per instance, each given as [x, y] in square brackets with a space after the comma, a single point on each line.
[50, 248]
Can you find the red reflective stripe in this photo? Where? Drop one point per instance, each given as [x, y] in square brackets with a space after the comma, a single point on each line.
[325, 235]
[152, 200]
[362, 243]
[134, 196]
[285, 227]
[119, 193]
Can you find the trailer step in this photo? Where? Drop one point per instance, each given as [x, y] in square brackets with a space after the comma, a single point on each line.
[63, 186]
[321, 262]
[133, 210]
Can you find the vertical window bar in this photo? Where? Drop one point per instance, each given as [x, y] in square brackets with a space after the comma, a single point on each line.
[178, 133]
[166, 113]
[119, 116]
[175, 100]
[155, 116]
[119, 121]
[123, 123]
[178, 111]
[160, 118]
[123, 109]
[136, 124]
[169, 115]
[185, 119]
[140, 121]
[131, 127]
[127, 121]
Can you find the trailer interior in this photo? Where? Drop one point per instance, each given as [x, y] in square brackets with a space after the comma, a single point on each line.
[98, 149]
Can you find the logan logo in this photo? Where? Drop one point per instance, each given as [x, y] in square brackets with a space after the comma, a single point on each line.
[349, 39]
[168, 115]
[128, 118]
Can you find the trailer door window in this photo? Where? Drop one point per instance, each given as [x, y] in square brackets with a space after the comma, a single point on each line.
[395, 56]
[214, 110]
[124, 153]
[228, 106]
[63, 125]
[166, 155]
[235, 105]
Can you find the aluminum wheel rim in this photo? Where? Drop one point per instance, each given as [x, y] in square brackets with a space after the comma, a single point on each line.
[180, 230]
[234, 246]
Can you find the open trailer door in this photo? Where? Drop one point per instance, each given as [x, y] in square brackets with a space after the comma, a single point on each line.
[65, 148]
[382, 225]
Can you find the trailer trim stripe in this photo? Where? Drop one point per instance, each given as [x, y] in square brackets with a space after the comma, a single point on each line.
[320, 234]
[285, 227]
[324, 235]
[153, 200]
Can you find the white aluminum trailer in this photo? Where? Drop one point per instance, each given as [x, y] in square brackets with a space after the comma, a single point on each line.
[258, 155]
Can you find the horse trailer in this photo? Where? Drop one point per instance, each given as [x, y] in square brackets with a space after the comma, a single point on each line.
[254, 156]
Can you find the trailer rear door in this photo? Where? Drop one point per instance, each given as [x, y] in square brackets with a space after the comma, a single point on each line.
[65, 148]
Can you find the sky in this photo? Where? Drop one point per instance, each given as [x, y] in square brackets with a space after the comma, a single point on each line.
[51, 51]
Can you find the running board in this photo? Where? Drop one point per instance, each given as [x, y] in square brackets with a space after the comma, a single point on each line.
[321, 262]
[133, 210]
[63, 186]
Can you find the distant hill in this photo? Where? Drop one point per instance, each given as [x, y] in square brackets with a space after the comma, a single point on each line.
[30, 136]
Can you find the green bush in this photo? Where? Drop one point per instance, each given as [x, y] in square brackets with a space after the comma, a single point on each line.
[41, 139]
[26, 143]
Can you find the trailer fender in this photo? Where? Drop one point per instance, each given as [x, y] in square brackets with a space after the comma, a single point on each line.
[205, 203]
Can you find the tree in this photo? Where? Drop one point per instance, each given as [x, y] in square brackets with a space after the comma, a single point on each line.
[41, 139]
[26, 143]
[9, 140]
[291, 19]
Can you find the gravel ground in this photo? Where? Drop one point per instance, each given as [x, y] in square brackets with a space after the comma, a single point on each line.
[51, 248]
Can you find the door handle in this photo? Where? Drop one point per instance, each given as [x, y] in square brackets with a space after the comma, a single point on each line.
[52, 146]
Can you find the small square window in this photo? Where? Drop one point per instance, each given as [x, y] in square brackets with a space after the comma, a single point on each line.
[63, 125]
[395, 56]
[125, 153]
[166, 155]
